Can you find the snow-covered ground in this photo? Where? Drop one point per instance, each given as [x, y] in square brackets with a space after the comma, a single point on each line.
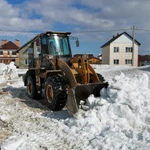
[118, 120]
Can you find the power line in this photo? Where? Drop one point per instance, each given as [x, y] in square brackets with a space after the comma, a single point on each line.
[20, 31]
[111, 30]
[143, 29]
[81, 31]
[90, 31]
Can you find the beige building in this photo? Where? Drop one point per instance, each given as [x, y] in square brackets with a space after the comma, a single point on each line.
[119, 51]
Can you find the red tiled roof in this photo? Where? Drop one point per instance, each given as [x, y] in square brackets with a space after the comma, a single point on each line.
[9, 46]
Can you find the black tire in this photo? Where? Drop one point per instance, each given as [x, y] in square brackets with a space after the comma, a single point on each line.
[101, 78]
[31, 88]
[55, 92]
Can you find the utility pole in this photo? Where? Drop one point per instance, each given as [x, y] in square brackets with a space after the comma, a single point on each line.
[133, 41]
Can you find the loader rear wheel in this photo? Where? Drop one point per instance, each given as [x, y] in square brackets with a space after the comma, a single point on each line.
[31, 88]
[55, 92]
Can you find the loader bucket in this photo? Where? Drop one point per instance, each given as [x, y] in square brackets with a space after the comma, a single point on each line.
[82, 92]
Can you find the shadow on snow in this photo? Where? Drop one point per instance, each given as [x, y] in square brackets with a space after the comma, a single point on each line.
[21, 94]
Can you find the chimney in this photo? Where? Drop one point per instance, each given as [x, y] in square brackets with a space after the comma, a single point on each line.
[3, 42]
[17, 42]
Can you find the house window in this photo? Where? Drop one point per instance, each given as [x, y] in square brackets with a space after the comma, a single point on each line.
[1, 52]
[13, 53]
[116, 61]
[116, 49]
[128, 61]
[129, 49]
[26, 61]
[8, 53]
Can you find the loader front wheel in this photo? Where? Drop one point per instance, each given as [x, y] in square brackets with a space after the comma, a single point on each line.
[31, 88]
[55, 92]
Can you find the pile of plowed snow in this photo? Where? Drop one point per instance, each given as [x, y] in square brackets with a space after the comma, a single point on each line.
[118, 120]
[8, 72]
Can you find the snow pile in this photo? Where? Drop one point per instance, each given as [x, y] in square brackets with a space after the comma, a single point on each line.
[120, 119]
[106, 68]
[8, 72]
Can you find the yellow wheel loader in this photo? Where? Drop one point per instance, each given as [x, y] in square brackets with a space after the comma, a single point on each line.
[65, 80]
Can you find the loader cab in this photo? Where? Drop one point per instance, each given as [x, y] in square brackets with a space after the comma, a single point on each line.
[56, 44]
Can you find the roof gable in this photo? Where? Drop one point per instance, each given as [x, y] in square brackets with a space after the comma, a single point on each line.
[118, 36]
[9, 46]
[123, 39]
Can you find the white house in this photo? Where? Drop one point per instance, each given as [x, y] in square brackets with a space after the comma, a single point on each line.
[119, 50]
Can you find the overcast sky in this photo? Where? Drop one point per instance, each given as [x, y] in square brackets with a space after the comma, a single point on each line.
[77, 16]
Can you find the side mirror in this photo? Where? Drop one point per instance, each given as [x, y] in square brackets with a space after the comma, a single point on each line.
[77, 43]
[38, 41]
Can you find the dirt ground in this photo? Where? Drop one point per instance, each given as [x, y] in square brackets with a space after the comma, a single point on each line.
[5, 131]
